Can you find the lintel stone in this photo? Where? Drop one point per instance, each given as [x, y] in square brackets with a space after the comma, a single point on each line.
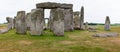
[50, 5]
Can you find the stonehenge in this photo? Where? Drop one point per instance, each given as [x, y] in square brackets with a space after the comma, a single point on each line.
[62, 19]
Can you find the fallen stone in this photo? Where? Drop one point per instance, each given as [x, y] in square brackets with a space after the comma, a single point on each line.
[110, 34]
[2, 31]
[92, 29]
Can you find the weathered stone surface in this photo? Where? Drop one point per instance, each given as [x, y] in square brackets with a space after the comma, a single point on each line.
[58, 22]
[92, 29]
[76, 13]
[46, 25]
[20, 22]
[51, 19]
[76, 20]
[28, 15]
[53, 5]
[86, 26]
[36, 21]
[107, 23]
[14, 21]
[68, 20]
[10, 23]
[2, 31]
[66, 6]
[82, 18]
[110, 34]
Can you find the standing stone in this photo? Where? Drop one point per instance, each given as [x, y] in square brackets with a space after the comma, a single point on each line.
[107, 23]
[10, 23]
[37, 21]
[86, 26]
[20, 22]
[82, 18]
[58, 22]
[28, 21]
[44, 27]
[68, 20]
[51, 19]
[76, 20]
[14, 21]
[46, 24]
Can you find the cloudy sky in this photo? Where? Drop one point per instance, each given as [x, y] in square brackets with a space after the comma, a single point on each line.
[95, 10]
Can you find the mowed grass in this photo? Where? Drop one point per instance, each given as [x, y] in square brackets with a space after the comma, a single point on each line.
[76, 41]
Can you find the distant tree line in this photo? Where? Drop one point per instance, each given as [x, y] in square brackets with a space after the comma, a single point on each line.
[102, 24]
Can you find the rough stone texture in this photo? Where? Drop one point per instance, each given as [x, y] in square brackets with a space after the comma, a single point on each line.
[76, 20]
[20, 22]
[46, 25]
[2, 31]
[82, 18]
[52, 5]
[36, 21]
[92, 29]
[28, 20]
[66, 6]
[14, 21]
[76, 13]
[110, 34]
[107, 23]
[58, 22]
[10, 23]
[68, 20]
[51, 19]
[86, 26]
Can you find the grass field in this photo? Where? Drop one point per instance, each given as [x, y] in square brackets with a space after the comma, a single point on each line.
[77, 41]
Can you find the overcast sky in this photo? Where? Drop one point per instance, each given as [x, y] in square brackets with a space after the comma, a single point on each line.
[95, 10]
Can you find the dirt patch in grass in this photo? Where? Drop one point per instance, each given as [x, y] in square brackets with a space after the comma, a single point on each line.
[25, 42]
[115, 41]
[74, 37]
[67, 42]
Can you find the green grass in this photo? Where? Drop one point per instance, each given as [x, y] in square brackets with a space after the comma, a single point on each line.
[76, 41]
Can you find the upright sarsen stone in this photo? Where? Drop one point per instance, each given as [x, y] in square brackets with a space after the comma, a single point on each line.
[107, 23]
[76, 20]
[20, 22]
[28, 15]
[58, 22]
[86, 26]
[68, 20]
[37, 21]
[50, 22]
[82, 18]
[10, 23]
